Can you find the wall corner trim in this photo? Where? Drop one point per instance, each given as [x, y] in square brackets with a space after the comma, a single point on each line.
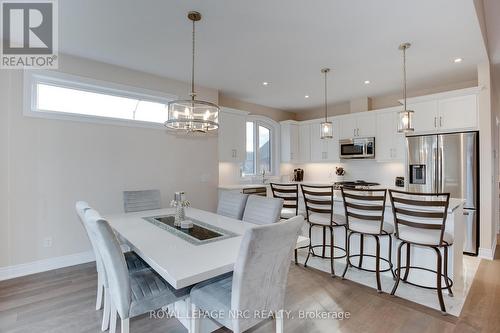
[488, 254]
[10, 272]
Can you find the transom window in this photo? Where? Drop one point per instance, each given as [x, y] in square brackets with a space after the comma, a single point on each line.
[259, 148]
[69, 97]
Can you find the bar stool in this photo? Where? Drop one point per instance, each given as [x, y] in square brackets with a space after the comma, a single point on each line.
[290, 194]
[364, 211]
[420, 219]
[319, 213]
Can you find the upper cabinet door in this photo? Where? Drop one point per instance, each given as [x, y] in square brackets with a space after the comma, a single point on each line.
[231, 137]
[294, 143]
[366, 125]
[316, 143]
[304, 143]
[458, 113]
[348, 127]
[425, 118]
[386, 131]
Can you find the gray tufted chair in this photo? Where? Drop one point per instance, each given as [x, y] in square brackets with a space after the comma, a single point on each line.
[131, 293]
[262, 210]
[231, 204]
[258, 281]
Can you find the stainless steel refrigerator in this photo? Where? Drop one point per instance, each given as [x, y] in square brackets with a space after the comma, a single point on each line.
[448, 163]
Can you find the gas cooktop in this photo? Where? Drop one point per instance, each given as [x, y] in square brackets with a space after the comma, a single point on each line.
[354, 184]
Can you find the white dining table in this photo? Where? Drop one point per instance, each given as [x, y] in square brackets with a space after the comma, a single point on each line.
[180, 262]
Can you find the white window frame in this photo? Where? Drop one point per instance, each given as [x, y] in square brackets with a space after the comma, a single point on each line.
[274, 135]
[32, 78]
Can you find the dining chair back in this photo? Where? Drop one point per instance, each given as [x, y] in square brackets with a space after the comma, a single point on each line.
[231, 204]
[113, 260]
[81, 208]
[137, 201]
[261, 269]
[262, 210]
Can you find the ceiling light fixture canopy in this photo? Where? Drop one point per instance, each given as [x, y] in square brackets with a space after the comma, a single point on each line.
[193, 115]
[326, 126]
[405, 123]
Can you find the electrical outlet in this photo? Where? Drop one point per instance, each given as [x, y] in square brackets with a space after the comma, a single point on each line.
[47, 242]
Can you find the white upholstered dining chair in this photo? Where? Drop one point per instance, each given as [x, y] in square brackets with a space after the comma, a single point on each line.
[131, 293]
[258, 281]
[262, 210]
[231, 204]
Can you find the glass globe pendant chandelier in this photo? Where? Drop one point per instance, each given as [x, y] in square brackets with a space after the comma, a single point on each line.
[192, 115]
[405, 122]
[326, 126]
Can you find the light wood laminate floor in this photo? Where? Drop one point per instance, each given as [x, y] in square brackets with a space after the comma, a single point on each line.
[64, 300]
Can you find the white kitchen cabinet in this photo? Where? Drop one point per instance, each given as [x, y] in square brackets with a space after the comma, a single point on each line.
[305, 143]
[425, 118]
[389, 144]
[324, 150]
[458, 113]
[445, 114]
[289, 141]
[232, 135]
[358, 125]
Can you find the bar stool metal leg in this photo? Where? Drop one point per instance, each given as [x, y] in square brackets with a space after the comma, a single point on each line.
[390, 255]
[408, 262]
[446, 279]
[331, 251]
[377, 264]
[310, 246]
[347, 260]
[361, 249]
[398, 269]
[438, 279]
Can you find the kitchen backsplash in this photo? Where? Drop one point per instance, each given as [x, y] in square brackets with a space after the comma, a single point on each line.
[368, 170]
[383, 173]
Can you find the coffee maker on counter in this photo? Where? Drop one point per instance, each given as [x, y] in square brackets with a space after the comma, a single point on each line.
[298, 175]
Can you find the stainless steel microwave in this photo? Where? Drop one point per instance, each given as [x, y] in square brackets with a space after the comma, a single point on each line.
[357, 148]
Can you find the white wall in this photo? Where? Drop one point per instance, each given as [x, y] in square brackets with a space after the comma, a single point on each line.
[50, 164]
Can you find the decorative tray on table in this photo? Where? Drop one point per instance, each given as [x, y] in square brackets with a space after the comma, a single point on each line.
[200, 233]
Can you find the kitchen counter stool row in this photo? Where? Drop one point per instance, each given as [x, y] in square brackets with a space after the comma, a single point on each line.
[419, 220]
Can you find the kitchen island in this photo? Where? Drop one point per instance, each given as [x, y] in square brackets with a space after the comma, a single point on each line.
[420, 256]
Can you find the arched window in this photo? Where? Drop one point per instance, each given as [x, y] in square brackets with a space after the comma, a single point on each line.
[262, 135]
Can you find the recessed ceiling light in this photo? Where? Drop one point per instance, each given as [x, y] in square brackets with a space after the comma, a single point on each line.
[457, 60]
[367, 82]
[306, 96]
[265, 83]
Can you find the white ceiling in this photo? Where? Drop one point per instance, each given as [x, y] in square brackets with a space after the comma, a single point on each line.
[242, 43]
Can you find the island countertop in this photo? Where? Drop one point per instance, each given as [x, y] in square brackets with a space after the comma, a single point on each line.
[453, 205]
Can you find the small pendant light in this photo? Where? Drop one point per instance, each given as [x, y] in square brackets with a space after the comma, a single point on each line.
[326, 126]
[192, 115]
[405, 122]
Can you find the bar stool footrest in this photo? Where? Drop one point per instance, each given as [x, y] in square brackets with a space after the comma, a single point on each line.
[327, 257]
[368, 269]
[443, 286]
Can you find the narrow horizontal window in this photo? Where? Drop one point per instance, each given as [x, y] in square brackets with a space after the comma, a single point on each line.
[74, 98]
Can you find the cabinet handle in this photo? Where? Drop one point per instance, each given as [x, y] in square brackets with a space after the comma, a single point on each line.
[435, 122]
[354, 132]
[234, 153]
[440, 121]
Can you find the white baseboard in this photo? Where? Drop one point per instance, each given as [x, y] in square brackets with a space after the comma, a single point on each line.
[488, 253]
[44, 265]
